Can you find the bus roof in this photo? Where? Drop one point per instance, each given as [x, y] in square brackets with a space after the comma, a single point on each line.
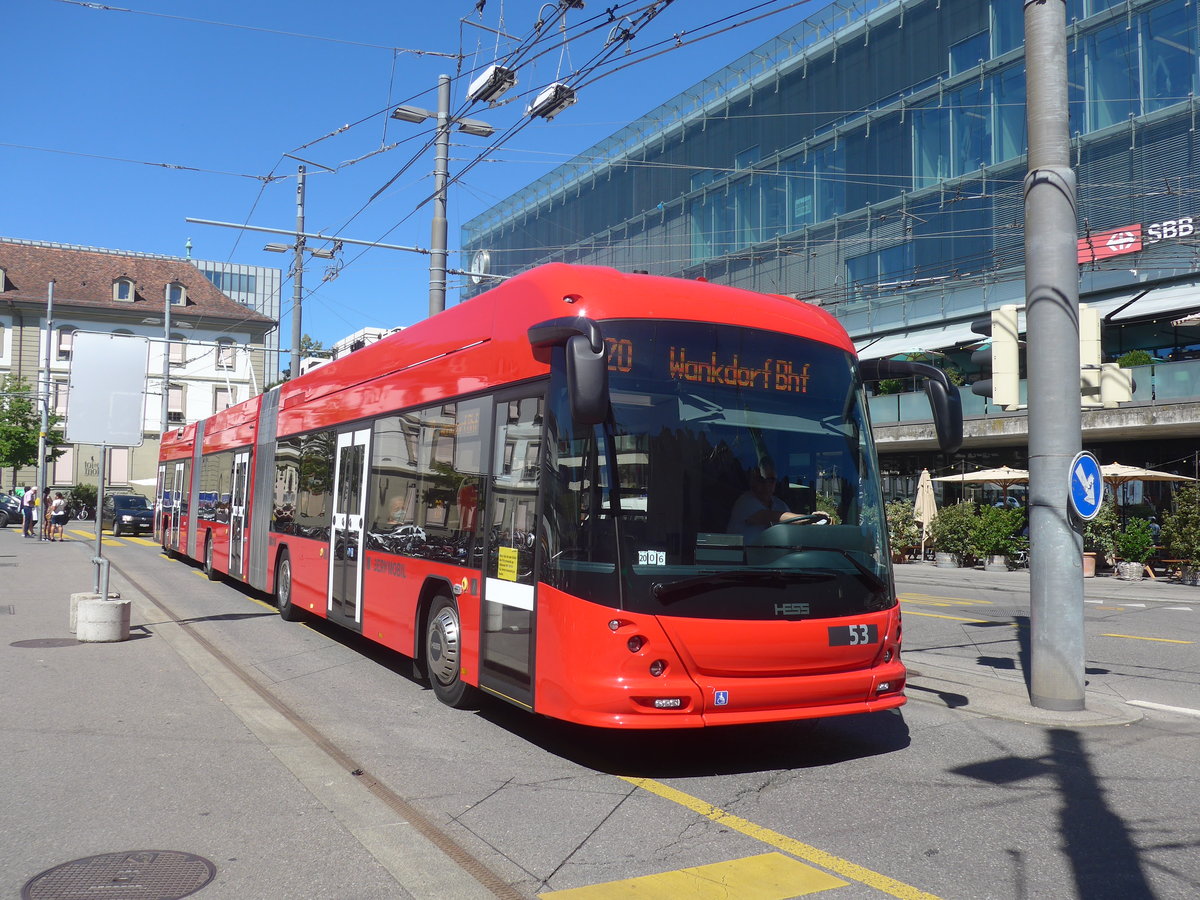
[501, 318]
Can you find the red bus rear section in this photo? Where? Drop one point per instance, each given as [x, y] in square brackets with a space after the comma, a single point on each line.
[618, 500]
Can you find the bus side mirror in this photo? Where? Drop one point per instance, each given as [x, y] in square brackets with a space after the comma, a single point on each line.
[587, 364]
[944, 398]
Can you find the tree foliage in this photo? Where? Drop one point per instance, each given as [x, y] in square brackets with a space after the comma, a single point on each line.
[21, 424]
[1181, 528]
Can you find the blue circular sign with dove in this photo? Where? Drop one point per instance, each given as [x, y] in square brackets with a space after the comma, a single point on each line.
[1087, 486]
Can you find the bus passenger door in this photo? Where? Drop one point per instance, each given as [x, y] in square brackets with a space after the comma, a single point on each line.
[346, 539]
[237, 512]
[173, 501]
[508, 618]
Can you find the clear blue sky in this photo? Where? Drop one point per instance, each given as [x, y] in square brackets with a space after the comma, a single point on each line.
[122, 121]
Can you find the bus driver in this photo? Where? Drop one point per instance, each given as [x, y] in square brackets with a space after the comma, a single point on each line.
[758, 508]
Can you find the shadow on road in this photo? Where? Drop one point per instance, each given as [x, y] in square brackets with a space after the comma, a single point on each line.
[1102, 854]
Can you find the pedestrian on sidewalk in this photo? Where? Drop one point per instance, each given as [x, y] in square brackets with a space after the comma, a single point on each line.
[58, 516]
[28, 512]
[44, 513]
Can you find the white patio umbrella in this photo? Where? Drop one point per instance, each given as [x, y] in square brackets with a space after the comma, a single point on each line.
[1116, 473]
[925, 506]
[1004, 476]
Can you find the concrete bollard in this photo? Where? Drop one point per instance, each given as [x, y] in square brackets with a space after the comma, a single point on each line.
[85, 595]
[102, 621]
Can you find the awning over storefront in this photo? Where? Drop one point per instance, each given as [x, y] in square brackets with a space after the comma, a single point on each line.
[919, 339]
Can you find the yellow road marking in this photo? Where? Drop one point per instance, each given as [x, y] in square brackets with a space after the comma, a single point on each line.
[782, 842]
[911, 612]
[924, 597]
[770, 876]
[1135, 637]
[142, 541]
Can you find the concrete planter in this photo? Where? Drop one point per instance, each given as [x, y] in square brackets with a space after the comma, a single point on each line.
[1089, 565]
[946, 561]
[1130, 571]
[996, 564]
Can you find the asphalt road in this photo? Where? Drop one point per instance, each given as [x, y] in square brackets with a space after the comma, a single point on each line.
[928, 801]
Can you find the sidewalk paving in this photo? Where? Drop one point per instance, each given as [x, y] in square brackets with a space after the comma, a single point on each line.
[151, 744]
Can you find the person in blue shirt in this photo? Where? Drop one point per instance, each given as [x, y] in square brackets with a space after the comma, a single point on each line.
[758, 508]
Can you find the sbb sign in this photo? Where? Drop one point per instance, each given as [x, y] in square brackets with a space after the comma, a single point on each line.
[1132, 238]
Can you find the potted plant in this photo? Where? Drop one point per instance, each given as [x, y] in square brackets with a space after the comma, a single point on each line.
[952, 534]
[1180, 534]
[1135, 546]
[1099, 537]
[903, 530]
[995, 533]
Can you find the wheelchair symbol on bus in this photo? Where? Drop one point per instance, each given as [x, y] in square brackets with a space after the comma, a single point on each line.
[720, 698]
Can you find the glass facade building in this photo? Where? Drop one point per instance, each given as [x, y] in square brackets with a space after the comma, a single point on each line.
[876, 142]
[871, 159]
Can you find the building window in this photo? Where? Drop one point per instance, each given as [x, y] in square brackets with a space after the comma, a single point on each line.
[3, 280]
[178, 350]
[66, 340]
[118, 465]
[123, 290]
[176, 294]
[58, 398]
[64, 467]
[225, 354]
[175, 398]
[222, 399]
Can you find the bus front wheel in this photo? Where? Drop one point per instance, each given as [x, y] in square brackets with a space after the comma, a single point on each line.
[443, 654]
[209, 569]
[283, 589]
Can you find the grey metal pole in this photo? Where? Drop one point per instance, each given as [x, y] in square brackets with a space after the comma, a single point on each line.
[437, 241]
[44, 395]
[1052, 326]
[100, 579]
[298, 276]
[166, 366]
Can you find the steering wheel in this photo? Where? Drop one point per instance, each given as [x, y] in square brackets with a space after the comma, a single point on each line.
[813, 518]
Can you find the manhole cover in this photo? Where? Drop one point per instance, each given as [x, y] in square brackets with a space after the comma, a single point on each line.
[38, 643]
[136, 875]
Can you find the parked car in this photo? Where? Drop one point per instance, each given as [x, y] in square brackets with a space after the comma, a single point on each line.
[10, 509]
[126, 513]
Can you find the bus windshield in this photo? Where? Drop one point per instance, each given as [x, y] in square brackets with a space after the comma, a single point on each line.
[736, 480]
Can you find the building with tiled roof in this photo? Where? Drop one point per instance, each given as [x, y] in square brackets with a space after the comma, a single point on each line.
[216, 354]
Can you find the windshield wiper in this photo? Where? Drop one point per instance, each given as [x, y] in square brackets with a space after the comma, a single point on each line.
[876, 582]
[692, 587]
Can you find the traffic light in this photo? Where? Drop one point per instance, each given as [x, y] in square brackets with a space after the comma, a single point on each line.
[1101, 384]
[1000, 362]
[1089, 357]
[1116, 385]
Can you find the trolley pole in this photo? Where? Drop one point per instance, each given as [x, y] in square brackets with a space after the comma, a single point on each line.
[437, 239]
[1052, 327]
[297, 276]
[44, 395]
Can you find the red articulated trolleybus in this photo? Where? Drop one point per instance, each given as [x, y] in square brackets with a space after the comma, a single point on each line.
[618, 500]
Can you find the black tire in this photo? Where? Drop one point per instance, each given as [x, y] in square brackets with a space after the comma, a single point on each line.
[116, 529]
[209, 570]
[3, 519]
[84, 513]
[288, 611]
[443, 654]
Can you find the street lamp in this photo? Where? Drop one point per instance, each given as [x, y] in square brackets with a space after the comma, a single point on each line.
[437, 243]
